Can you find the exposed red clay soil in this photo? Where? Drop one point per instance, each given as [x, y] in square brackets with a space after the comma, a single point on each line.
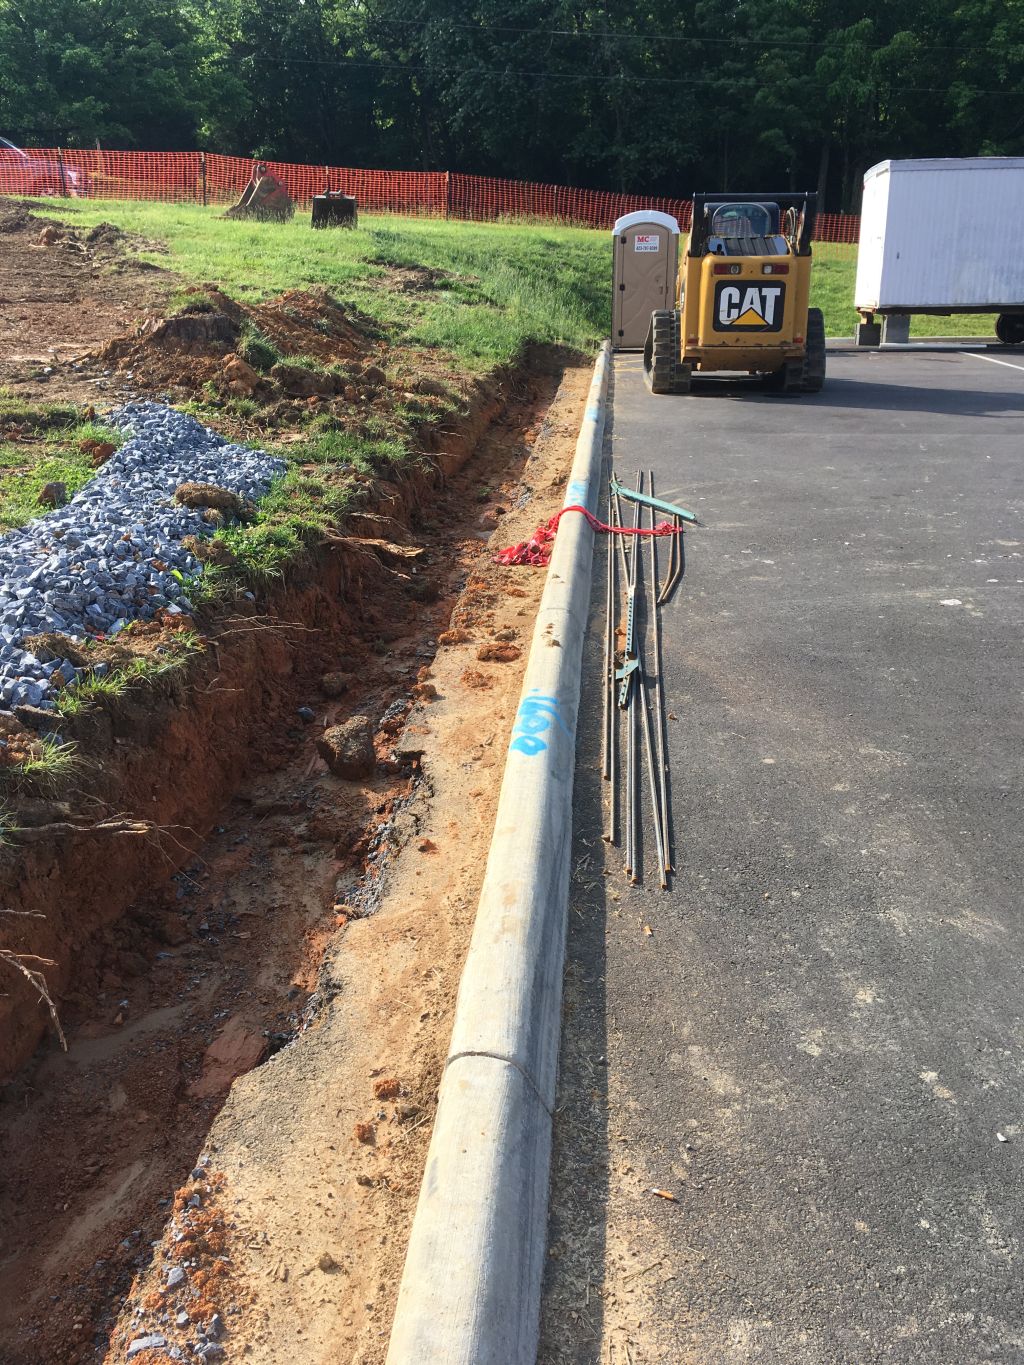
[158, 761]
[207, 902]
[190, 888]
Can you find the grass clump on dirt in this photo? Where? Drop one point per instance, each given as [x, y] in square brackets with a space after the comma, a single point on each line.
[303, 508]
[256, 350]
[9, 827]
[47, 769]
[62, 456]
[94, 688]
[15, 412]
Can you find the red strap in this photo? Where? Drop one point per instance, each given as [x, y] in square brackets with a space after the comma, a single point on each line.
[537, 550]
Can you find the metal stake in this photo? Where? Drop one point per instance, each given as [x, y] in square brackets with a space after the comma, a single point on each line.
[672, 547]
[617, 522]
[609, 661]
[659, 700]
[680, 564]
[627, 695]
[649, 750]
[630, 801]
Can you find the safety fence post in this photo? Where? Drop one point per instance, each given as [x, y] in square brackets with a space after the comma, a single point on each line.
[63, 175]
[202, 175]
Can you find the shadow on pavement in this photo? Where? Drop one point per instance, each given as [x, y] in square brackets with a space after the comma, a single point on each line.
[858, 395]
[572, 1316]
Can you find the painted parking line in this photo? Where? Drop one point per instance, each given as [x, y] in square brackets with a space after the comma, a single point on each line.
[1008, 363]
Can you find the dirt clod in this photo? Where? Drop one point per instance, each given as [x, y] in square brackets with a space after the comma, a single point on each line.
[241, 378]
[387, 1088]
[208, 495]
[99, 451]
[335, 684]
[347, 749]
[298, 381]
[498, 653]
[53, 495]
[237, 1049]
[210, 551]
[472, 677]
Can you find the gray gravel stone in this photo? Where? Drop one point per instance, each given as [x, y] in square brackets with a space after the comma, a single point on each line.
[113, 553]
[153, 1342]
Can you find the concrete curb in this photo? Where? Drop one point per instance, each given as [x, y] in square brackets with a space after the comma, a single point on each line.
[470, 1292]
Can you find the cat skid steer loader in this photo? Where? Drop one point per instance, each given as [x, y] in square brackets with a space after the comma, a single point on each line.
[743, 287]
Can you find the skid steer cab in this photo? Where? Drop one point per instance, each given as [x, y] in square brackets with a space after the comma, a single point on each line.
[742, 293]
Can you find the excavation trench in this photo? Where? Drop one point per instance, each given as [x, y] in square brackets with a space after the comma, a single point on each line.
[192, 913]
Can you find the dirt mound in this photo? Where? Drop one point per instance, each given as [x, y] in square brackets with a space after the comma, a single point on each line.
[15, 217]
[313, 323]
[418, 279]
[196, 346]
[105, 234]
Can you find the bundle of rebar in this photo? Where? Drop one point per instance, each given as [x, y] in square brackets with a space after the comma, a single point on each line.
[634, 688]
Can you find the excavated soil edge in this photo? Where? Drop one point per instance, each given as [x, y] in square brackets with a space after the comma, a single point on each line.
[309, 946]
[160, 766]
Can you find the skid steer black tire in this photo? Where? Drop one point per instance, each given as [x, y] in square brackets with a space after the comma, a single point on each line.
[814, 356]
[788, 378]
[663, 372]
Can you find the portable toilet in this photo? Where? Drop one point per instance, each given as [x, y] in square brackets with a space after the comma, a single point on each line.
[645, 255]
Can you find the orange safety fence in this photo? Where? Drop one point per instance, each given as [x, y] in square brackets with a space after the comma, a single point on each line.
[208, 178]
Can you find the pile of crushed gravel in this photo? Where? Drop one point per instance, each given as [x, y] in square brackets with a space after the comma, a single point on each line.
[90, 567]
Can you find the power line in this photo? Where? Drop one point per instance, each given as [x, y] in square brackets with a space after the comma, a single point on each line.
[490, 73]
[669, 37]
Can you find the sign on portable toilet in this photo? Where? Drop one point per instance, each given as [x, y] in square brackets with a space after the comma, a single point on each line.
[645, 253]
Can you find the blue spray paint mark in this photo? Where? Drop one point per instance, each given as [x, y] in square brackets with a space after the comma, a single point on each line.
[576, 493]
[536, 714]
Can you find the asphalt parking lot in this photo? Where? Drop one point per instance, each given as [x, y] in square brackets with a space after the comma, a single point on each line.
[817, 1048]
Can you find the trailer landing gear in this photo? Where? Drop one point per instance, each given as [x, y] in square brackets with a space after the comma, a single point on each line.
[1010, 329]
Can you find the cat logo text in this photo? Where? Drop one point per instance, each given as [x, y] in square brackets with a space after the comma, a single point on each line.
[744, 307]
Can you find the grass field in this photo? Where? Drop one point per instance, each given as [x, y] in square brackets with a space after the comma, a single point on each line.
[504, 285]
[835, 268]
[57, 457]
[500, 288]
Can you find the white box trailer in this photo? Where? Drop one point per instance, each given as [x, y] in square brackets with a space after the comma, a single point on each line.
[942, 236]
